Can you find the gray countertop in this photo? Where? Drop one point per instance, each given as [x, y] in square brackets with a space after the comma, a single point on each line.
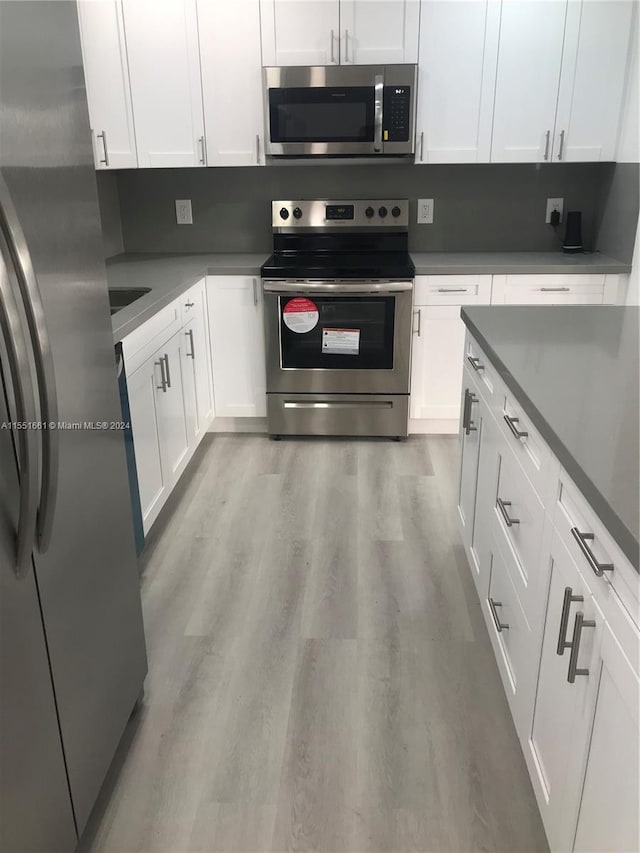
[168, 276]
[522, 263]
[574, 370]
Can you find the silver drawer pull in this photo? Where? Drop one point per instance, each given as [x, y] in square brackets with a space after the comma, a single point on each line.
[189, 304]
[511, 423]
[555, 289]
[578, 625]
[452, 289]
[501, 626]
[475, 362]
[569, 597]
[581, 539]
[502, 506]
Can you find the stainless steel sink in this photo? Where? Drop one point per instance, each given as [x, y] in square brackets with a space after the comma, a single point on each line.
[120, 297]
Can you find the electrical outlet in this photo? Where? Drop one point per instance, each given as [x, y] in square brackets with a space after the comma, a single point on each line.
[425, 211]
[183, 211]
[554, 204]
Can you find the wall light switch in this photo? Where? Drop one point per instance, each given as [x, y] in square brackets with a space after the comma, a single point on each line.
[183, 211]
[425, 211]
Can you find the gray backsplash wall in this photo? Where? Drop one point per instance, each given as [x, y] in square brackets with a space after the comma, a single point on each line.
[619, 219]
[487, 207]
[110, 213]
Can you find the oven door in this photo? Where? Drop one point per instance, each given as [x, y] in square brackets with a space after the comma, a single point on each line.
[338, 337]
[325, 111]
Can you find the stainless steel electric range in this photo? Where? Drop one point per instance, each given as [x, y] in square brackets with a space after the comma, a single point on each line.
[338, 293]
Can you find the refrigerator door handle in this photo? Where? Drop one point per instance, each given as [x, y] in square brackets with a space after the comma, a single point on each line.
[41, 347]
[25, 413]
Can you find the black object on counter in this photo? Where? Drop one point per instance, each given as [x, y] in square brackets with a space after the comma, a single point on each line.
[573, 234]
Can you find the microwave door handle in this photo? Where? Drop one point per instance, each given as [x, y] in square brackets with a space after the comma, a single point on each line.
[25, 412]
[45, 374]
[377, 125]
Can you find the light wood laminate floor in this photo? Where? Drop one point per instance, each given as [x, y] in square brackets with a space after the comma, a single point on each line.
[320, 677]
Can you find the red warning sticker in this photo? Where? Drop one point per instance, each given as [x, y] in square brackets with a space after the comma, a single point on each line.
[300, 315]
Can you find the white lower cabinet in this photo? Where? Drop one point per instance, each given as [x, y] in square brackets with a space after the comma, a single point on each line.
[566, 640]
[237, 346]
[568, 289]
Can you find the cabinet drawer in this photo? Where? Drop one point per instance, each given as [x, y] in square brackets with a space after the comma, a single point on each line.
[141, 344]
[595, 546]
[529, 447]
[452, 290]
[548, 289]
[520, 519]
[487, 380]
[508, 626]
[193, 302]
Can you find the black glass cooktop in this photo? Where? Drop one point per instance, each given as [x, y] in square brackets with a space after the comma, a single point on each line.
[376, 265]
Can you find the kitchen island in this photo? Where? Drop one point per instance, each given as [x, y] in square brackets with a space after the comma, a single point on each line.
[548, 505]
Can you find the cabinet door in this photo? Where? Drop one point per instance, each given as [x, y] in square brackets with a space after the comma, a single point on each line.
[187, 368]
[458, 57]
[231, 82]
[106, 74]
[237, 346]
[470, 434]
[379, 31]
[171, 408]
[486, 491]
[437, 362]
[608, 819]
[300, 32]
[196, 368]
[564, 710]
[141, 388]
[529, 59]
[594, 62]
[164, 66]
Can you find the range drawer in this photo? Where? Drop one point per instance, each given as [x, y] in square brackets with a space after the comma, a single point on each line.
[508, 627]
[529, 447]
[594, 550]
[519, 516]
[452, 290]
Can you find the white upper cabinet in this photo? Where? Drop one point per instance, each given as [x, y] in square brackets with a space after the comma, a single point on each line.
[106, 72]
[379, 31]
[529, 61]
[231, 82]
[594, 62]
[300, 32]
[457, 74]
[164, 66]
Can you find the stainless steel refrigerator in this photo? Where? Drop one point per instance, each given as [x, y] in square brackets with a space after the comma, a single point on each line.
[72, 651]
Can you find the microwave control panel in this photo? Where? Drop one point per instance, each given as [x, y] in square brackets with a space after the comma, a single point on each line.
[396, 106]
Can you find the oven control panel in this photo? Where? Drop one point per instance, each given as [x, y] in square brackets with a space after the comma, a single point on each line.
[371, 214]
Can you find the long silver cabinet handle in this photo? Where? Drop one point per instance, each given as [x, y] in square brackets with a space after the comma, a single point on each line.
[333, 56]
[422, 146]
[475, 362]
[469, 399]
[452, 290]
[418, 313]
[555, 289]
[501, 626]
[582, 539]
[103, 136]
[561, 144]
[578, 625]
[346, 46]
[546, 145]
[377, 121]
[258, 148]
[192, 354]
[43, 357]
[203, 155]
[25, 413]
[569, 597]
[163, 385]
[511, 423]
[502, 506]
[255, 291]
[168, 372]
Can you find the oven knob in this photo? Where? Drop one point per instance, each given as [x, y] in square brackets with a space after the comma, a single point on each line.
[284, 213]
[382, 212]
[369, 212]
[395, 211]
[297, 212]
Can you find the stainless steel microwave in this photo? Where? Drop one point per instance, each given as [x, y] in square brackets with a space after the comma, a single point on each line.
[340, 110]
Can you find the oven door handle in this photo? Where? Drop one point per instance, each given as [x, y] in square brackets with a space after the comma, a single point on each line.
[342, 289]
[377, 119]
